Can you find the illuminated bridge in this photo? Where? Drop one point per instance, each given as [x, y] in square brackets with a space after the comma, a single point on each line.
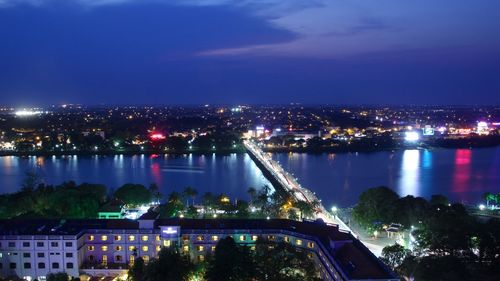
[283, 180]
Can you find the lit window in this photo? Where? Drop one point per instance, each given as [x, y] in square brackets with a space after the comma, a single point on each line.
[131, 260]
[131, 248]
[252, 248]
[215, 238]
[118, 238]
[104, 238]
[286, 239]
[185, 248]
[145, 238]
[201, 258]
[91, 248]
[310, 245]
[145, 258]
[131, 238]
[213, 248]
[104, 248]
[200, 248]
[199, 238]
[254, 237]
[158, 238]
[271, 237]
[167, 243]
[158, 248]
[104, 259]
[91, 237]
[145, 248]
[118, 248]
[242, 237]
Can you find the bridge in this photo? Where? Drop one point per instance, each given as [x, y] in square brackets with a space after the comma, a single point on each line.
[287, 183]
[291, 186]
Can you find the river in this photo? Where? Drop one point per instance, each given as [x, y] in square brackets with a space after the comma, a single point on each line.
[461, 174]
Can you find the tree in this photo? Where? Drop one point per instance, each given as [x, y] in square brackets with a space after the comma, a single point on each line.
[375, 205]
[173, 205]
[230, 262]
[438, 199]
[170, 265]
[306, 210]
[155, 191]
[133, 194]
[60, 276]
[136, 273]
[394, 255]
[189, 193]
[283, 262]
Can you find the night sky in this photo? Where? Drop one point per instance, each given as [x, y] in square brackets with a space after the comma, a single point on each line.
[249, 51]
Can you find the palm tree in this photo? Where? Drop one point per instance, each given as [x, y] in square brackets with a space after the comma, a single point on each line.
[306, 209]
[488, 196]
[189, 192]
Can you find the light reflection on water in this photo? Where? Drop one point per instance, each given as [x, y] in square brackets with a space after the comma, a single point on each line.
[462, 174]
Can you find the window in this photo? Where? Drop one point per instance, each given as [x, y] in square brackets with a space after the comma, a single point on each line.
[39, 244]
[215, 237]
[55, 265]
[158, 248]
[131, 248]
[26, 255]
[200, 248]
[104, 259]
[167, 243]
[310, 245]
[68, 244]
[185, 237]
[201, 258]
[91, 248]
[199, 238]
[254, 237]
[298, 242]
[145, 248]
[104, 248]
[118, 258]
[26, 244]
[41, 265]
[118, 238]
[27, 265]
[145, 258]
[286, 239]
[252, 248]
[91, 237]
[185, 248]
[131, 238]
[12, 244]
[104, 238]
[158, 238]
[271, 237]
[69, 265]
[118, 248]
[69, 255]
[12, 265]
[213, 248]
[145, 238]
[40, 255]
[91, 258]
[54, 244]
[242, 237]
[131, 260]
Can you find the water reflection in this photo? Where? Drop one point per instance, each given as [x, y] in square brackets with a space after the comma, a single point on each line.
[462, 173]
[409, 181]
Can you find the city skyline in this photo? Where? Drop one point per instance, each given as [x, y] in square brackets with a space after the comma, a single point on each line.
[249, 52]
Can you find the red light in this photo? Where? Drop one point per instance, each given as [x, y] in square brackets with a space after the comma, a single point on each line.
[157, 136]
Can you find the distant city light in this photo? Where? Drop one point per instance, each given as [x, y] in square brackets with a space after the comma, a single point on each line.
[412, 136]
[157, 136]
[26, 113]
